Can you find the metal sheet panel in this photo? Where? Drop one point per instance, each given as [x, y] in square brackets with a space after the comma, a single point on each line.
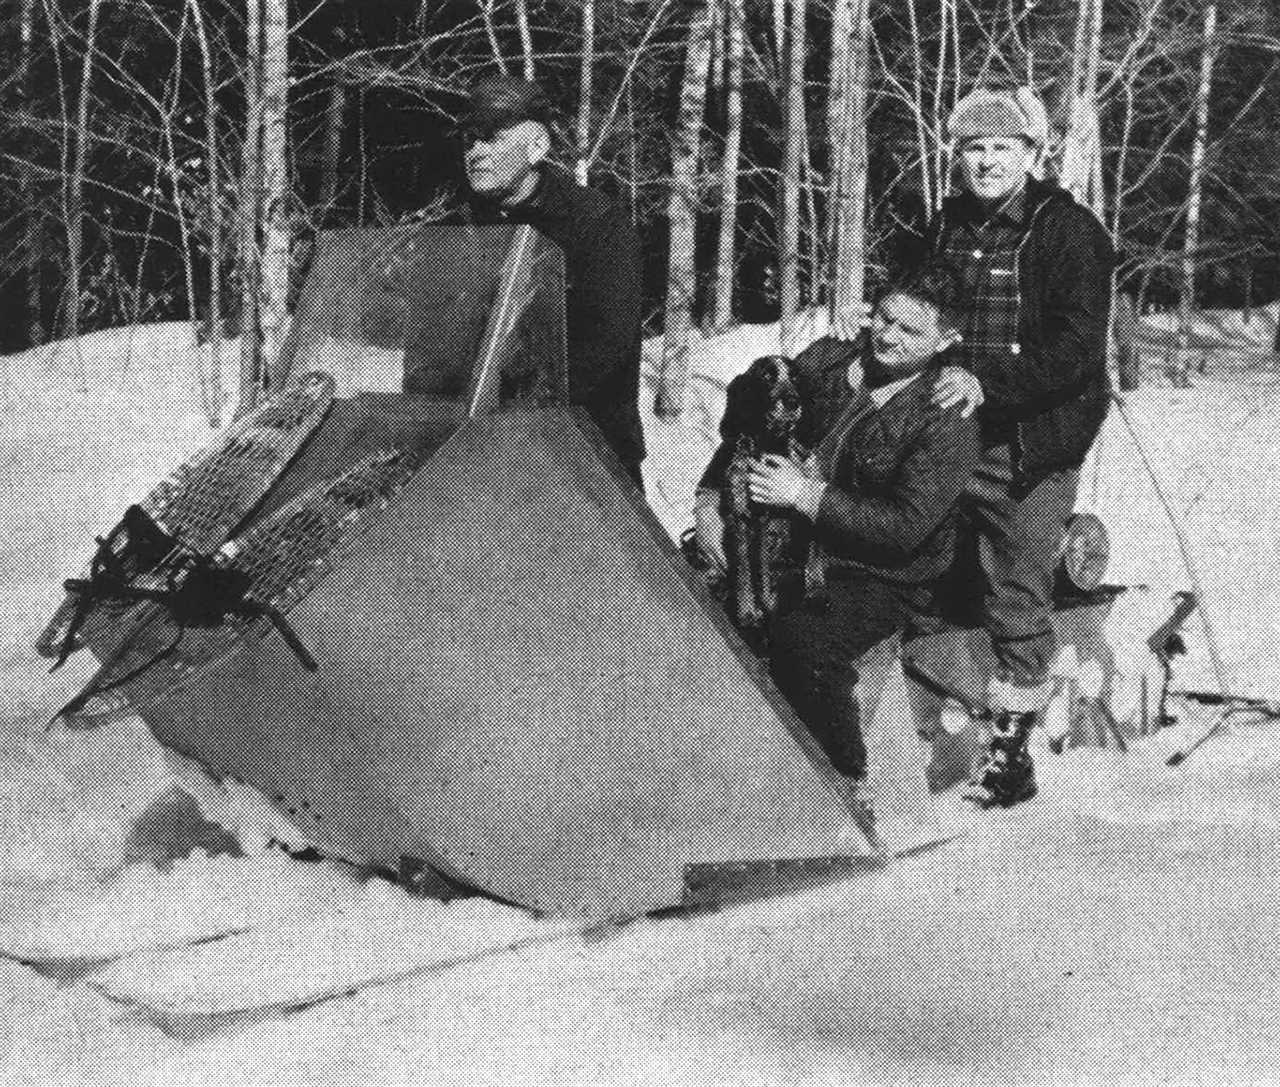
[520, 684]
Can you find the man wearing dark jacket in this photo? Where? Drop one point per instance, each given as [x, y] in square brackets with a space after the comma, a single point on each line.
[1036, 268]
[880, 492]
[507, 137]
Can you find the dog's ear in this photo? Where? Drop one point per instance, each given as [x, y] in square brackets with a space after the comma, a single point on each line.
[774, 370]
[744, 404]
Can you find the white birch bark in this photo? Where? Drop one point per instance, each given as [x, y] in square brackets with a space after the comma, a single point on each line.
[526, 37]
[75, 199]
[789, 187]
[1080, 173]
[275, 180]
[491, 31]
[682, 214]
[213, 388]
[250, 383]
[334, 125]
[726, 257]
[847, 133]
[583, 165]
[924, 138]
[31, 231]
[1195, 186]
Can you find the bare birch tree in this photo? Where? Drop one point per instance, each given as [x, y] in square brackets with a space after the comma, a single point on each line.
[275, 179]
[213, 212]
[847, 133]
[75, 200]
[735, 34]
[1191, 239]
[334, 124]
[789, 184]
[31, 225]
[682, 216]
[491, 32]
[251, 370]
[526, 37]
[587, 71]
[1081, 172]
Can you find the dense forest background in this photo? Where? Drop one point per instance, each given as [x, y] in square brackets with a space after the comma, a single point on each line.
[170, 160]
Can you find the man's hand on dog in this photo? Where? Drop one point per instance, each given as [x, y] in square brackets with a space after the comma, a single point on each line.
[779, 481]
[956, 385]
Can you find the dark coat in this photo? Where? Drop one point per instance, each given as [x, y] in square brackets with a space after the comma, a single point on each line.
[889, 510]
[602, 299]
[1055, 391]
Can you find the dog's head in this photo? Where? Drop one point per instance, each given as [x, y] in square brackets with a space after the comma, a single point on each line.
[763, 404]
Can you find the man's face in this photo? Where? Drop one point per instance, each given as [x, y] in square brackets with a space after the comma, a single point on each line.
[994, 167]
[501, 162]
[906, 333]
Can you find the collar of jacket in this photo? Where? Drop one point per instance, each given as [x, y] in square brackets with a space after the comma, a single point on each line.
[962, 207]
[867, 360]
[537, 201]
[882, 394]
[1012, 211]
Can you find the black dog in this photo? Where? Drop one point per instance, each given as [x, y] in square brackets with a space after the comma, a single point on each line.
[762, 412]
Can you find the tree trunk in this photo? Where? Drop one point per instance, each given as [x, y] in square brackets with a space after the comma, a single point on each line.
[185, 248]
[847, 132]
[582, 168]
[633, 160]
[250, 205]
[780, 33]
[334, 125]
[1191, 240]
[275, 181]
[1128, 361]
[923, 142]
[213, 401]
[789, 194]
[682, 216]
[941, 104]
[75, 216]
[491, 31]
[526, 37]
[1082, 150]
[734, 16]
[31, 232]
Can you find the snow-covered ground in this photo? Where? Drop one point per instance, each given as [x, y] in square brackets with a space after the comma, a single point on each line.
[1120, 928]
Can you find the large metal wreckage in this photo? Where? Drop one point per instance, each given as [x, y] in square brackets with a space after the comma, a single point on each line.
[409, 613]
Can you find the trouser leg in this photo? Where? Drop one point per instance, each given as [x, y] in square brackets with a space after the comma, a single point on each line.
[1019, 535]
[812, 653]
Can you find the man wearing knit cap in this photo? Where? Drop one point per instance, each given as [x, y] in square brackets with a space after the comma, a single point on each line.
[506, 133]
[1036, 268]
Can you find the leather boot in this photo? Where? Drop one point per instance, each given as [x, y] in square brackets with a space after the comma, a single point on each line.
[1006, 775]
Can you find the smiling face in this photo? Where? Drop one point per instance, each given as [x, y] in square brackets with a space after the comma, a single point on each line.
[906, 333]
[501, 164]
[995, 167]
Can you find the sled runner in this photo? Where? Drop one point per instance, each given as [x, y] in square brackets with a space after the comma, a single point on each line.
[303, 962]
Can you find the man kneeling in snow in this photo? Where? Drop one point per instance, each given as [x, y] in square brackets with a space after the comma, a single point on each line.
[880, 491]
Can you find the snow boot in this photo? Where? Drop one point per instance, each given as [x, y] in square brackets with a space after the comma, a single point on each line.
[1006, 775]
